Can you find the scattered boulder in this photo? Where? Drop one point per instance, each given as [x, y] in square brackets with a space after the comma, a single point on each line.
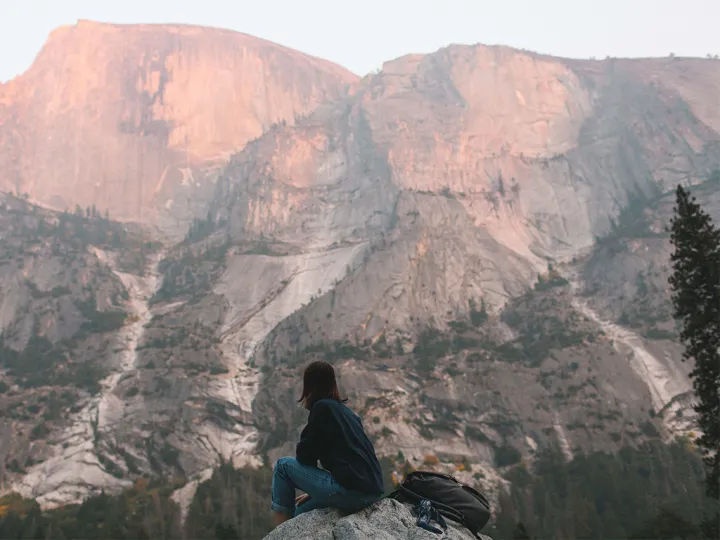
[385, 520]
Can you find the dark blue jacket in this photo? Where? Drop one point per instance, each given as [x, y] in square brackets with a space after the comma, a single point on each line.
[335, 436]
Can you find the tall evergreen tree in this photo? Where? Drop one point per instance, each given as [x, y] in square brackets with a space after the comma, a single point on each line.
[667, 525]
[695, 284]
[520, 532]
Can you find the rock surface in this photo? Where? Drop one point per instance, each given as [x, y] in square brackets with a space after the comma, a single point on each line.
[463, 224]
[386, 520]
[462, 174]
[73, 291]
[131, 117]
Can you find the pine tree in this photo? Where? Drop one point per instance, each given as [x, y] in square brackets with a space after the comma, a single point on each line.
[695, 284]
[520, 532]
[667, 524]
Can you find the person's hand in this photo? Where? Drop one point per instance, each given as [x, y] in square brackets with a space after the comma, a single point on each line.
[300, 499]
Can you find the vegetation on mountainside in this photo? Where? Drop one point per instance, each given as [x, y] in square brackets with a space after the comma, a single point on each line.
[99, 321]
[655, 489]
[551, 279]
[63, 302]
[232, 504]
[542, 321]
[191, 271]
[633, 220]
[41, 363]
[650, 312]
[145, 511]
[652, 489]
[696, 298]
[25, 227]
[635, 242]
[201, 228]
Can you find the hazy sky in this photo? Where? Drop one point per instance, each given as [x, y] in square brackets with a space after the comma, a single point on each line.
[361, 34]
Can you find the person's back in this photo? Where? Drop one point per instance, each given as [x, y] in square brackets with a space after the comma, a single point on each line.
[351, 478]
[335, 436]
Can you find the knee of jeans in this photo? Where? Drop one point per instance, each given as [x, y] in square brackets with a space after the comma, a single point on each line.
[280, 463]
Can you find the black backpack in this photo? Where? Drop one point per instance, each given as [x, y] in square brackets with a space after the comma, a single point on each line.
[455, 501]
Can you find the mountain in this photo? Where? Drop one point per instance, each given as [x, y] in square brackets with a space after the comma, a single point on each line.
[71, 313]
[453, 179]
[474, 237]
[134, 118]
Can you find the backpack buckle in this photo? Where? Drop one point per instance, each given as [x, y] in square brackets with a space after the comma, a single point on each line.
[427, 513]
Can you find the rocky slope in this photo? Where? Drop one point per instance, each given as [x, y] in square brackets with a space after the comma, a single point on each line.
[473, 237]
[494, 163]
[136, 118]
[387, 520]
[71, 310]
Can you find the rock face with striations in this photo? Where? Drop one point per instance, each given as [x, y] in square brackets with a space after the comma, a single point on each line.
[72, 291]
[459, 177]
[386, 520]
[461, 225]
[131, 118]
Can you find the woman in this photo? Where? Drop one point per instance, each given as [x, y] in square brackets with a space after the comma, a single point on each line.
[350, 478]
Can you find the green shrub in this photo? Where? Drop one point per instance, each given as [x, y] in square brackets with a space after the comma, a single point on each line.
[478, 316]
[40, 431]
[507, 455]
[475, 434]
[219, 370]
[649, 429]
[99, 321]
[431, 346]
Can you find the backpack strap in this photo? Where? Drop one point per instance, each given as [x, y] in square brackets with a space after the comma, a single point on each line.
[426, 513]
[404, 493]
[437, 516]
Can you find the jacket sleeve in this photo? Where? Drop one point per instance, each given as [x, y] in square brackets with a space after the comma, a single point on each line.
[307, 451]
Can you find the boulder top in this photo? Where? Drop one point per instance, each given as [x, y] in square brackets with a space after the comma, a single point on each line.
[384, 520]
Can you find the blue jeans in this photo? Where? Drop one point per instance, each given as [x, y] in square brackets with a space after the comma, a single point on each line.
[323, 489]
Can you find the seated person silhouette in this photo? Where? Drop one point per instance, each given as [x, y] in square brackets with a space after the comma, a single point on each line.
[350, 478]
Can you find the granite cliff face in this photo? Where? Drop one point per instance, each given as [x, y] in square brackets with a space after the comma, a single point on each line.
[497, 171]
[72, 308]
[460, 226]
[134, 118]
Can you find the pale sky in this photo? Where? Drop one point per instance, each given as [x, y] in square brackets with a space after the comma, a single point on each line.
[362, 34]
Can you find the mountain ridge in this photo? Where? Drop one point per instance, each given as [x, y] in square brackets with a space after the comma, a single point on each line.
[439, 232]
[120, 114]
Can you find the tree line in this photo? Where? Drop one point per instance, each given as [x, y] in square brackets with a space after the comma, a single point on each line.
[654, 491]
[234, 503]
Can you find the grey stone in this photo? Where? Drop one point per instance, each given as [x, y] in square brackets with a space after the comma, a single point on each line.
[385, 520]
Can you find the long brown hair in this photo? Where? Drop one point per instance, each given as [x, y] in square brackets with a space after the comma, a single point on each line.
[319, 383]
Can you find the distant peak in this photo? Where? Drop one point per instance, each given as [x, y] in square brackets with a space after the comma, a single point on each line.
[96, 30]
[402, 64]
